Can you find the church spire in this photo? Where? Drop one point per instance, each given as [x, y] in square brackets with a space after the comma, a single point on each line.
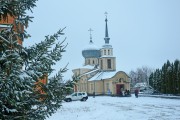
[90, 30]
[106, 31]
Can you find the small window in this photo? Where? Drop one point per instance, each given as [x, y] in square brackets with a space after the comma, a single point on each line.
[104, 52]
[101, 64]
[91, 87]
[109, 63]
[107, 86]
[119, 79]
[108, 52]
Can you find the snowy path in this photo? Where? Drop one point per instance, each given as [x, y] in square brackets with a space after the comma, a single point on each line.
[120, 108]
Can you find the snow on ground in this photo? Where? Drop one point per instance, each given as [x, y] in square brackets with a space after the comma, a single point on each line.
[119, 108]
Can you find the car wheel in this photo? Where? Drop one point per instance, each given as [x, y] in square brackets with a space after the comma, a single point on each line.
[69, 100]
[83, 99]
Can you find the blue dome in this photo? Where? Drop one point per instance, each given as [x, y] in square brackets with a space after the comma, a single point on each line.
[91, 51]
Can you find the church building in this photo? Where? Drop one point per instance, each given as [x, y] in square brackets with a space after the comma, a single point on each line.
[99, 76]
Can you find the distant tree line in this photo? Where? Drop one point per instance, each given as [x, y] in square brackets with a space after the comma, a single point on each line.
[140, 75]
[167, 79]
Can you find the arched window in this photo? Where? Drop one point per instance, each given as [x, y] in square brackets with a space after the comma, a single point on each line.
[104, 52]
[101, 64]
[109, 63]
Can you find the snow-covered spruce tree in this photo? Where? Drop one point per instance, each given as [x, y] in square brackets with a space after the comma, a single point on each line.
[16, 86]
[20, 96]
[39, 62]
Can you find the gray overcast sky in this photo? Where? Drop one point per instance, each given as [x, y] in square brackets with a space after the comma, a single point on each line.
[142, 32]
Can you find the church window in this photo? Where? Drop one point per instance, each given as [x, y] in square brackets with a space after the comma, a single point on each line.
[107, 86]
[101, 64]
[91, 87]
[120, 79]
[104, 52]
[109, 63]
[82, 87]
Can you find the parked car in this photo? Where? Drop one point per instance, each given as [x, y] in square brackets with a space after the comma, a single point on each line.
[82, 96]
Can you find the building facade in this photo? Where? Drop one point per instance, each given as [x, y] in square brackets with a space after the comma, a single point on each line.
[99, 76]
[7, 23]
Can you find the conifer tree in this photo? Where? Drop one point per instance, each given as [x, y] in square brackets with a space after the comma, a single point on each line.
[178, 79]
[164, 84]
[21, 68]
[167, 79]
[175, 76]
[155, 80]
[151, 79]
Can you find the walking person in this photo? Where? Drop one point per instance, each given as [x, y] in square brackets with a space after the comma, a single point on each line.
[136, 92]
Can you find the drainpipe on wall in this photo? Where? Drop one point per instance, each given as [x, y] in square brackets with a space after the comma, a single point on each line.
[87, 88]
[103, 87]
[94, 90]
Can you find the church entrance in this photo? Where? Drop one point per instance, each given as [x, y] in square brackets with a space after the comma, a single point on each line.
[119, 88]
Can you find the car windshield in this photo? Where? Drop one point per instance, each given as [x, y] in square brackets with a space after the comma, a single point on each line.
[74, 94]
[79, 94]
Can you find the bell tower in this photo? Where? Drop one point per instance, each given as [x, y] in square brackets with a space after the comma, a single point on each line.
[107, 61]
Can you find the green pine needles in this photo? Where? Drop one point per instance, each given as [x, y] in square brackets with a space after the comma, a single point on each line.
[22, 96]
[167, 79]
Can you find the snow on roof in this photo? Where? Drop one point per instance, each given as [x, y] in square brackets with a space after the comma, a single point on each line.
[91, 71]
[143, 84]
[107, 46]
[91, 46]
[85, 67]
[103, 75]
[107, 56]
[88, 66]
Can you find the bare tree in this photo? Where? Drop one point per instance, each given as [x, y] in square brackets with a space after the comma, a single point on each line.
[140, 75]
